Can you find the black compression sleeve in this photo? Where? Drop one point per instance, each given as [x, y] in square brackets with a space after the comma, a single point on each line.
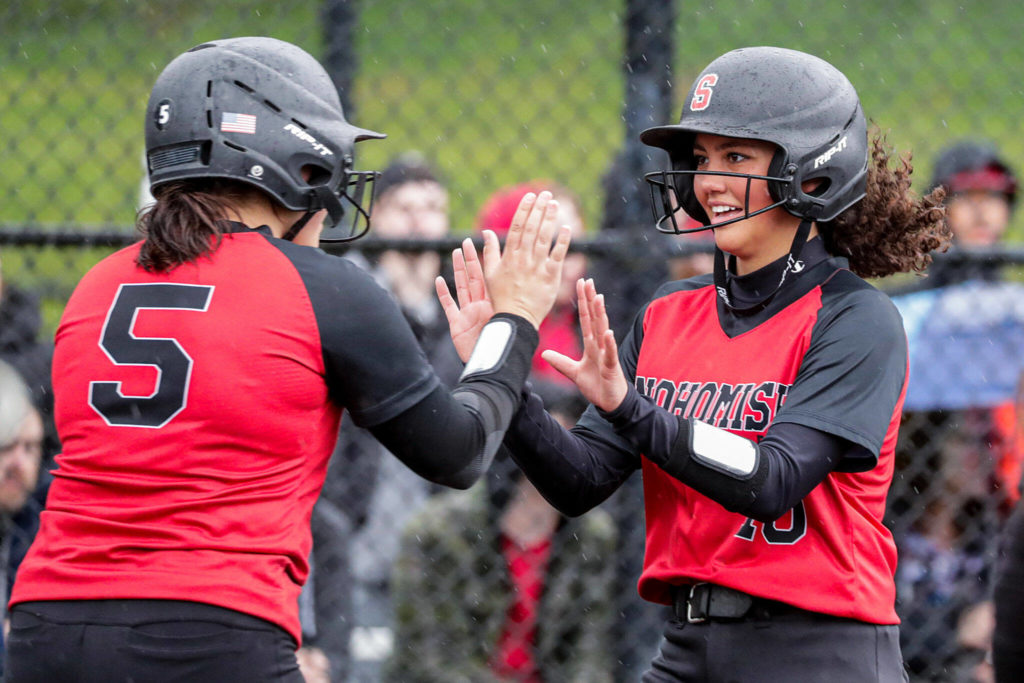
[797, 459]
[451, 439]
[434, 437]
[575, 469]
[788, 463]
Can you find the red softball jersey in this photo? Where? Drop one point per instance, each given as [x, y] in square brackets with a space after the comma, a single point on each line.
[830, 356]
[197, 410]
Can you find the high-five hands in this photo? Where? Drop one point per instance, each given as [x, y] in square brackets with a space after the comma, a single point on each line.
[597, 374]
[522, 280]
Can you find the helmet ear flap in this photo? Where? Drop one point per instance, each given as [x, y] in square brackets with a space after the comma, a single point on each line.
[681, 157]
[780, 168]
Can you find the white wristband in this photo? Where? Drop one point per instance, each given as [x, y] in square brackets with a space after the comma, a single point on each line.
[722, 450]
[490, 348]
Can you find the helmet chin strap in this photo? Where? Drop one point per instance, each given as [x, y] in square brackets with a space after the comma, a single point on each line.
[328, 200]
[297, 226]
[792, 261]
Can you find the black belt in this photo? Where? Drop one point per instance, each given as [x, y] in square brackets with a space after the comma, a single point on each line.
[710, 602]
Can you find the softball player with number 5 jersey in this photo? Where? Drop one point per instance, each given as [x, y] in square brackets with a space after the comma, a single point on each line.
[201, 375]
[761, 402]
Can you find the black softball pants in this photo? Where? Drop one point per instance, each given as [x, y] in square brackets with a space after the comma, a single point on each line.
[143, 641]
[797, 646]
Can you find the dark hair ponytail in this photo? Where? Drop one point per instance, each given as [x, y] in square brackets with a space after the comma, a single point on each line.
[186, 221]
[891, 230]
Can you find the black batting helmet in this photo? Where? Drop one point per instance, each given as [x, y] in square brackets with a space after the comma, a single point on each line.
[800, 103]
[264, 112]
[974, 165]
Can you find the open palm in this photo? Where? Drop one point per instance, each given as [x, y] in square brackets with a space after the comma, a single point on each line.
[467, 317]
[597, 374]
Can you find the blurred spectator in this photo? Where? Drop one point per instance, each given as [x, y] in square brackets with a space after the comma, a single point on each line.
[981, 191]
[961, 463]
[412, 203]
[369, 495]
[560, 330]
[973, 663]
[314, 665]
[684, 263]
[21, 496]
[493, 584]
[20, 323]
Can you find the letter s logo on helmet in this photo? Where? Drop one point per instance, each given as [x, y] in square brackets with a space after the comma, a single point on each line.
[304, 148]
[702, 92]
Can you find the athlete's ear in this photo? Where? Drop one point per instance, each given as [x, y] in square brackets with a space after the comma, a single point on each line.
[811, 186]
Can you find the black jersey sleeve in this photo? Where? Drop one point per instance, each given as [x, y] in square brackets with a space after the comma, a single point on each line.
[374, 365]
[575, 469]
[853, 373]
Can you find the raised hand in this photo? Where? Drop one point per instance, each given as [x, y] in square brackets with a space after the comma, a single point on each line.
[467, 317]
[597, 374]
[523, 279]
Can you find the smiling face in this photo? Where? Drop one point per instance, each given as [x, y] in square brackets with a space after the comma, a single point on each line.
[756, 241]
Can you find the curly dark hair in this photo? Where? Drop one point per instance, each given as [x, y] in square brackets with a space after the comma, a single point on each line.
[892, 230]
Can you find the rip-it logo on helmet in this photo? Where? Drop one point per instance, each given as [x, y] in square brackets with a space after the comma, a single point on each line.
[831, 152]
[317, 146]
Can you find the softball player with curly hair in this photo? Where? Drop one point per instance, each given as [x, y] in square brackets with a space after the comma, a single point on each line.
[761, 402]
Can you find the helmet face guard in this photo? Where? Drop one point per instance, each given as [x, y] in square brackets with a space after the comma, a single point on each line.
[665, 198]
[348, 207]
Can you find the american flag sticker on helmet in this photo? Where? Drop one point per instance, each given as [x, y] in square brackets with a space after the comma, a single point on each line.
[238, 123]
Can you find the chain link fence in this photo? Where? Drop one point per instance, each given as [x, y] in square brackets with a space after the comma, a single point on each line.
[493, 94]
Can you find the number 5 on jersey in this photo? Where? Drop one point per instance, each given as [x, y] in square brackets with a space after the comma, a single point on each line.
[173, 364]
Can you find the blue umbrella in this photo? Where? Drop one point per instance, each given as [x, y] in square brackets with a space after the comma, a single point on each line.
[966, 344]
